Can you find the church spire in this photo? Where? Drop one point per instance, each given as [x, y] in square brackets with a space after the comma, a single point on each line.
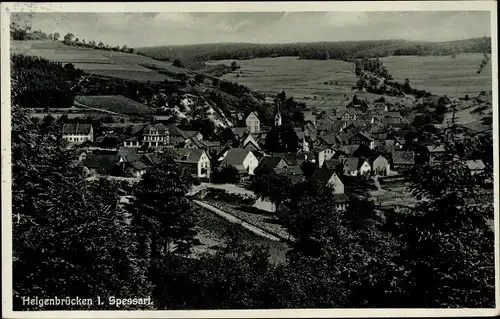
[277, 116]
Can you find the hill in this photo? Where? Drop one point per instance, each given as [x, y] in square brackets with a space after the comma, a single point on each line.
[101, 62]
[314, 50]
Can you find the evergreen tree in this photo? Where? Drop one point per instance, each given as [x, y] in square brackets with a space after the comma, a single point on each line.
[449, 255]
[69, 236]
[162, 214]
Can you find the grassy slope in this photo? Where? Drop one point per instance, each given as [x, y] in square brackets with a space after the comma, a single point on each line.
[100, 62]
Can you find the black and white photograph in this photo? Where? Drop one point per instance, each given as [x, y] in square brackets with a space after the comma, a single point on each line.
[211, 158]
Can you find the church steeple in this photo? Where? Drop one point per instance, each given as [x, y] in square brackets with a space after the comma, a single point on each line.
[277, 116]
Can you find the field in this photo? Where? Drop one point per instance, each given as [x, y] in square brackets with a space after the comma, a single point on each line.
[442, 75]
[304, 79]
[113, 103]
[100, 62]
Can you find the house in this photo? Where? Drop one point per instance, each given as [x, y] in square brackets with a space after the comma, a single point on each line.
[475, 166]
[268, 163]
[243, 159]
[239, 132]
[103, 164]
[78, 133]
[155, 135]
[436, 152]
[356, 167]
[194, 135]
[128, 155]
[394, 115]
[82, 154]
[380, 166]
[150, 159]
[347, 115]
[402, 159]
[178, 138]
[324, 125]
[195, 161]
[329, 140]
[340, 155]
[328, 178]
[253, 123]
[322, 154]
[250, 143]
[332, 164]
[135, 169]
[294, 173]
[362, 138]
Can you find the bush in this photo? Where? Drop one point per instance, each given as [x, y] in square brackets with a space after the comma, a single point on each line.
[196, 181]
[223, 195]
[228, 174]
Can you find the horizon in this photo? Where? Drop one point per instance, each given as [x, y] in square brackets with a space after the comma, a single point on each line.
[261, 28]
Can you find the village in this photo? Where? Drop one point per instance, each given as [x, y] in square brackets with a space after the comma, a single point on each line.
[251, 160]
[354, 151]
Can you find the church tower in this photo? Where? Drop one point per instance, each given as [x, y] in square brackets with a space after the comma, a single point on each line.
[277, 117]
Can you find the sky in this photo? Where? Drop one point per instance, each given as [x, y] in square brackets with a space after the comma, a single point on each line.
[179, 28]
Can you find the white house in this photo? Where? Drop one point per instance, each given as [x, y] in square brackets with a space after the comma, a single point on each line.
[324, 154]
[355, 166]
[155, 136]
[380, 165]
[253, 123]
[243, 159]
[195, 160]
[78, 133]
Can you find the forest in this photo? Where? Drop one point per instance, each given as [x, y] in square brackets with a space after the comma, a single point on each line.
[345, 50]
[73, 237]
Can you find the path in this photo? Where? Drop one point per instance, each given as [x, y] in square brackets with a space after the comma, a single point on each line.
[235, 189]
[254, 229]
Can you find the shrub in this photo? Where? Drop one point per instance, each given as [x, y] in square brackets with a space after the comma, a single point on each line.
[228, 174]
[223, 195]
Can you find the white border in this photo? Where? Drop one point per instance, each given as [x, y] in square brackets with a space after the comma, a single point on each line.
[227, 7]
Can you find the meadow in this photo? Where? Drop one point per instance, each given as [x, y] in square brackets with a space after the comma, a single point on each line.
[305, 79]
[302, 79]
[442, 75]
[100, 62]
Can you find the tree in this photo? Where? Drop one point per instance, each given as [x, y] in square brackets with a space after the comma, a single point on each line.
[161, 212]
[449, 224]
[41, 84]
[200, 78]
[407, 87]
[227, 174]
[282, 139]
[361, 84]
[100, 45]
[124, 48]
[205, 126]
[17, 33]
[358, 68]
[177, 63]
[68, 38]
[271, 186]
[227, 137]
[56, 36]
[234, 66]
[65, 224]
